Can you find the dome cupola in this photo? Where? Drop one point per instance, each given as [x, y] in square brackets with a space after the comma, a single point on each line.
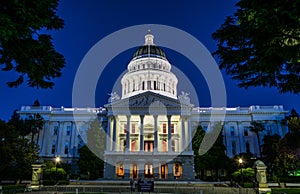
[149, 70]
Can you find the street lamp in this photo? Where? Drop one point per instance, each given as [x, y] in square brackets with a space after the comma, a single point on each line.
[240, 164]
[57, 160]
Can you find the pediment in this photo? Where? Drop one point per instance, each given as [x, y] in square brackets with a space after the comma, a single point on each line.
[148, 103]
[146, 100]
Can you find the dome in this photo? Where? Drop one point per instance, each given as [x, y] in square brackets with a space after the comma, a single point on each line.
[149, 49]
[146, 50]
[149, 70]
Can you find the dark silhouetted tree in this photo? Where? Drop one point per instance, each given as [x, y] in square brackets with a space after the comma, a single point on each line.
[25, 48]
[257, 128]
[91, 155]
[259, 45]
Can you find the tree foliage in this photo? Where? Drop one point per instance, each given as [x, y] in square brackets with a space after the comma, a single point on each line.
[17, 152]
[90, 162]
[282, 154]
[213, 159]
[24, 47]
[259, 45]
[257, 128]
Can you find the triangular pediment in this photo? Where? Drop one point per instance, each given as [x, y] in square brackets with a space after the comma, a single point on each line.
[148, 101]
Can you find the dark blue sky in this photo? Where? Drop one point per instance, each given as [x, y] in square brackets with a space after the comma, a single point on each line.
[87, 22]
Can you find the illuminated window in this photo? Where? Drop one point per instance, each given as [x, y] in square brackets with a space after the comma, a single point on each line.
[133, 142]
[177, 171]
[164, 146]
[120, 170]
[164, 128]
[148, 146]
[148, 171]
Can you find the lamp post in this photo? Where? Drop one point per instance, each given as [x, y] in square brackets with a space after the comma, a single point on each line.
[57, 160]
[240, 164]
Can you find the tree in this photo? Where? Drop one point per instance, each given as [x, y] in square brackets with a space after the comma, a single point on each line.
[257, 128]
[286, 159]
[24, 48]
[31, 125]
[259, 45]
[211, 159]
[17, 152]
[90, 162]
[271, 151]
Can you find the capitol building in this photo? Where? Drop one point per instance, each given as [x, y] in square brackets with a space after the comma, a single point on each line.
[150, 125]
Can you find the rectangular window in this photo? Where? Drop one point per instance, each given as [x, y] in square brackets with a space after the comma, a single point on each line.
[148, 146]
[247, 147]
[246, 131]
[164, 146]
[66, 147]
[154, 85]
[172, 128]
[173, 145]
[132, 128]
[233, 145]
[133, 146]
[120, 170]
[124, 145]
[164, 128]
[53, 147]
[231, 130]
[68, 132]
[55, 130]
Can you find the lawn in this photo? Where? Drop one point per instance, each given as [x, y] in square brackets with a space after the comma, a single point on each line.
[285, 190]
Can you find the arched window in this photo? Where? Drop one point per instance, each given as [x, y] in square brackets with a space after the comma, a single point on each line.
[148, 170]
[177, 171]
[120, 170]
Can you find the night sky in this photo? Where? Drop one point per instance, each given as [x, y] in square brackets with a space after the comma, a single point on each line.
[87, 22]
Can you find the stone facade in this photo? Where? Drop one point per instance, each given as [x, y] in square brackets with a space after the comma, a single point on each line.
[149, 128]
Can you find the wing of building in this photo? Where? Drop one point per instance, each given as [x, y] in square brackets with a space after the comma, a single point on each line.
[149, 128]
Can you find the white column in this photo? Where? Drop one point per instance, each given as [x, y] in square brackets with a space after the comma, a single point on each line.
[155, 133]
[189, 134]
[59, 139]
[142, 133]
[108, 136]
[183, 134]
[169, 134]
[128, 133]
[42, 142]
[114, 143]
[73, 137]
[241, 138]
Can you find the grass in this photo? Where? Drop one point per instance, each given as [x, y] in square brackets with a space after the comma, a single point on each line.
[285, 190]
